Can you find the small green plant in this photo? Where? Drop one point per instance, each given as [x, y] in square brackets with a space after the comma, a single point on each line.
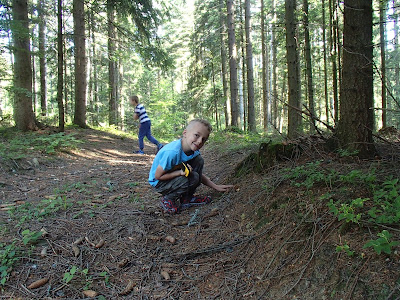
[131, 184]
[358, 176]
[383, 243]
[134, 198]
[345, 248]
[386, 209]
[346, 152]
[8, 256]
[30, 237]
[309, 175]
[19, 144]
[106, 277]
[44, 208]
[348, 211]
[69, 275]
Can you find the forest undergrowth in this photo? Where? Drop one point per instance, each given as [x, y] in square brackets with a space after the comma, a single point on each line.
[79, 220]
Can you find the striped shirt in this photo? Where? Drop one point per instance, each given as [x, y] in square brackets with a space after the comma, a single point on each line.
[141, 111]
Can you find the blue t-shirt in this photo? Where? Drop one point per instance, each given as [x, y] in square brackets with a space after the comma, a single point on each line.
[168, 157]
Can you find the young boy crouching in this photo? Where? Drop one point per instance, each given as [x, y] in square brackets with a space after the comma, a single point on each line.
[177, 169]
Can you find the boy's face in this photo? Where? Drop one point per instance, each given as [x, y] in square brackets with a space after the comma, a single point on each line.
[194, 137]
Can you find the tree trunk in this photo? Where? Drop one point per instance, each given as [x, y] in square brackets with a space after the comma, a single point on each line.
[292, 56]
[215, 96]
[332, 46]
[60, 70]
[250, 76]
[275, 114]
[382, 15]
[242, 72]
[80, 63]
[327, 106]
[42, 58]
[354, 130]
[265, 67]
[112, 117]
[23, 112]
[93, 75]
[222, 32]
[309, 74]
[396, 45]
[232, 64]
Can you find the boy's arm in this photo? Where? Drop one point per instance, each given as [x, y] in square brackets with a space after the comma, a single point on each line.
[136, 116]
[218, 187]
[161, 174]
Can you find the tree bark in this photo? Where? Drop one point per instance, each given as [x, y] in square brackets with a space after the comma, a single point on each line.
[396, 45]
[309, 73]
[265, 68]
[112, 109]
[223, 63]
[327, 106]
[382, 15]
[23, 112]
[292, 56]
[354, 130]
[60, 71]
[275, 114]
[333, 56]
[250, 72]
[80, 63]
[242, 72]
[232, 64]
[42, 58]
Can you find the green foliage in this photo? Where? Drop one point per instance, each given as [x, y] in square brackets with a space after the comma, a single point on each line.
[347, 211]
[383, 243]
[44, 208]
[106, 277]
[8, 257]
[17, 146]
[227, 140]
[385, 206]
[345, 248]
[309, 175]
[112, 129]
[346, 152]
[11, 253]
[75, 273]
[30, 237]
[386, 198]
[69, 275]
[358, 176]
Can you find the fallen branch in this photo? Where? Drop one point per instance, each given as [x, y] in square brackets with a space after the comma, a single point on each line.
[218, 248]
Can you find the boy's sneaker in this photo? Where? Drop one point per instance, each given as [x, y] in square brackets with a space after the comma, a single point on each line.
[168, 206]
[195, 200]
[139, 152]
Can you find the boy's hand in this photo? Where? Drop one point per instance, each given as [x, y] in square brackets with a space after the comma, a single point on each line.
[223, 187]
[186, 168]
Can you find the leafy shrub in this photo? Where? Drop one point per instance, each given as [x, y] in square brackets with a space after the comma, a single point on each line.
[383, 243]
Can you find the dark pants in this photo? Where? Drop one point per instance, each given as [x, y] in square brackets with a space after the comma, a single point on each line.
[145, 131]
[182, 186]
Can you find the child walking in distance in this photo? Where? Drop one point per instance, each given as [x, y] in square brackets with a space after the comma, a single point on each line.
[144, 126]
[177, 169]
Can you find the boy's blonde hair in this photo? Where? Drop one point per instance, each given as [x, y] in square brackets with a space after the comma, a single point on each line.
[134, 98]
[202, 121]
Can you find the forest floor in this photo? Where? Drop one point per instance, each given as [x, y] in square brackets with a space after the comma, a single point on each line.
[103, 231]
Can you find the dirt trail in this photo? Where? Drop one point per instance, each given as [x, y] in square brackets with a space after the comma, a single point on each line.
[259, 241]
[111, 200]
